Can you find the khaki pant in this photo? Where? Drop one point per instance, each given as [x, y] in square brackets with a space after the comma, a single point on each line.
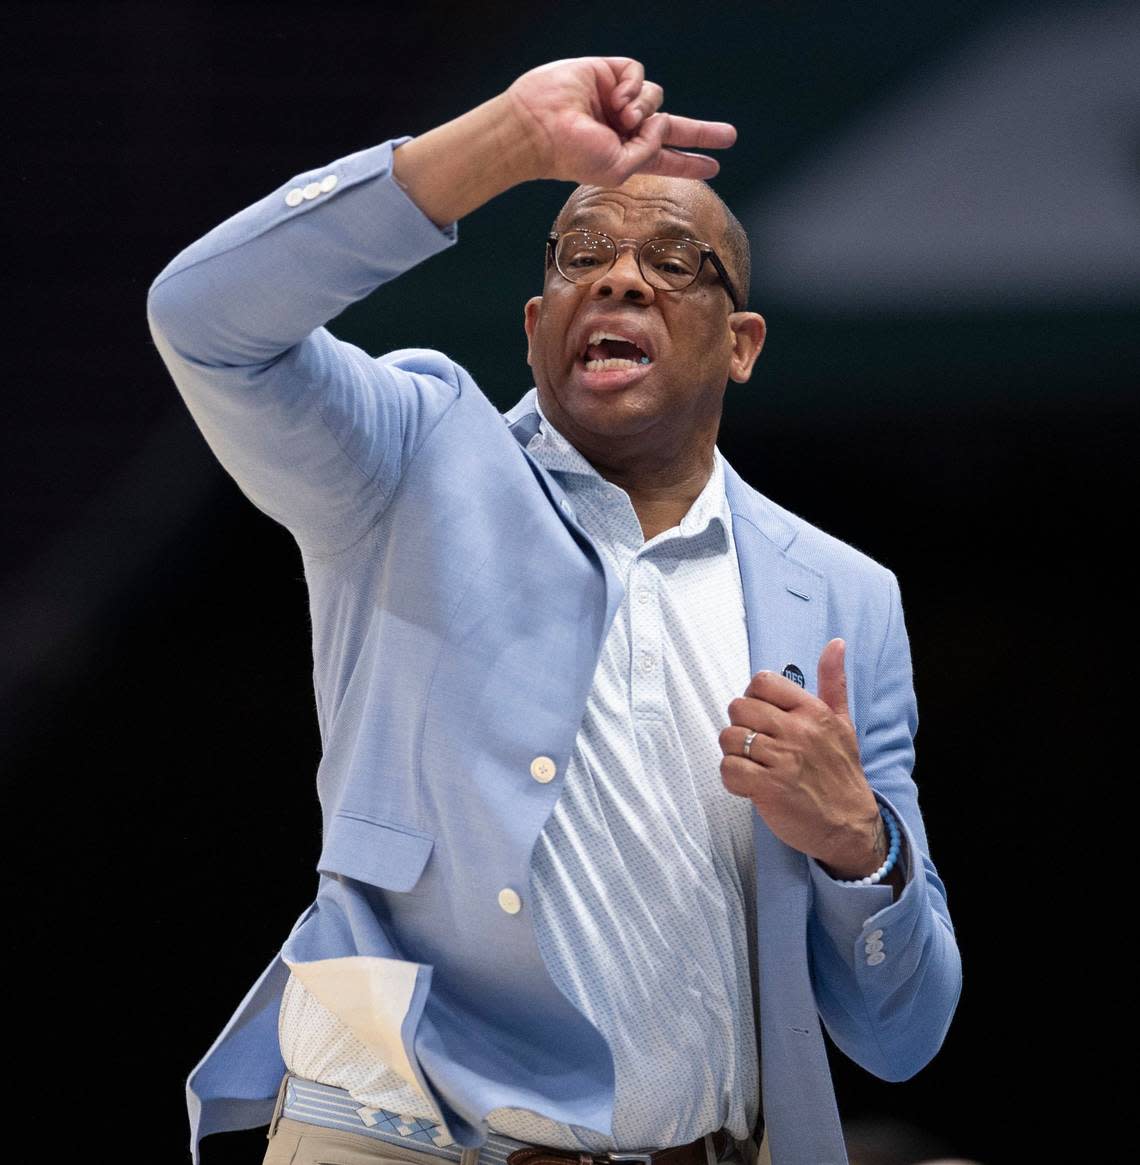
[294, 1143]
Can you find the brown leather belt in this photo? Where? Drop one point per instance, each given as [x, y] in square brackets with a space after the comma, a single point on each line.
[690, 1154]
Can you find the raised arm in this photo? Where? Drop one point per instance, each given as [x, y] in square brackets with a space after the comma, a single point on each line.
[316, 432]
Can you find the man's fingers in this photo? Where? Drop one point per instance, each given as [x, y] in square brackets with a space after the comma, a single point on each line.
[687, 133]
[832, 683]
[732, 741]
[778, 690]
[637, 152]
[748, 714]
[644, 104]
[655, 148]
[739, 776]
[746, 779]
[675, 164]
[630, 76]
[645, 153]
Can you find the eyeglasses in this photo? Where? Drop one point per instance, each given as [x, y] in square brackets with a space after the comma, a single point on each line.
[669, 264]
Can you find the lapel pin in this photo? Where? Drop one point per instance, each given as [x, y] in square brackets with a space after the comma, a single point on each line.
[794, 674]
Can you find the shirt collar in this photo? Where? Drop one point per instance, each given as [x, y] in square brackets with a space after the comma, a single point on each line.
[555, 453]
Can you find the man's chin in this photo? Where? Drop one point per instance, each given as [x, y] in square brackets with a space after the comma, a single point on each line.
[581, 414]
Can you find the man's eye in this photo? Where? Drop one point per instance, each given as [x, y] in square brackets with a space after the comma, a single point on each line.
[581, 261]
[672, 267]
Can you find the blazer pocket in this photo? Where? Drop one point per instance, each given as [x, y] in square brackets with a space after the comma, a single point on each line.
[389, 856]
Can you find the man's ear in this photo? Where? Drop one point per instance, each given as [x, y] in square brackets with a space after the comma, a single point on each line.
[748, 332]
[531, 312]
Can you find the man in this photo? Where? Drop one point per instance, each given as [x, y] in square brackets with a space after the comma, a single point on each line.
[582, 814]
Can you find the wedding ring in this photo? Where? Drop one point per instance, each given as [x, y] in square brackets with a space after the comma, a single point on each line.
[748, 744]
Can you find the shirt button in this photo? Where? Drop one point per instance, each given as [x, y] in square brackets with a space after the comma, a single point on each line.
[327, 183]
[311, 191]
[509, 900]
[295, 197]
[567, 509]
[646, 661]
[872, 960]
[875, 934]
[542, 768]
[643, 595]
[874, 945]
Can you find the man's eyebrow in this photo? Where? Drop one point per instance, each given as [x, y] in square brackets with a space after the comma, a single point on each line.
[669, 228]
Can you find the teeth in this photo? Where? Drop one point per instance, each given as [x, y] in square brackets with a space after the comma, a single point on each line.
[606, 365]
[599, 336]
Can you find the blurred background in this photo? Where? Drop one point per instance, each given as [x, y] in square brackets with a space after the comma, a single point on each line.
[944, 201]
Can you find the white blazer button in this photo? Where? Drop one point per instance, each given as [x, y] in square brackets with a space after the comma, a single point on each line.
[509, 900]
[874, 935]
[873, 960]
[873, 945]
[542, 768]
[311, 191]
[327, 183]
[295, 197]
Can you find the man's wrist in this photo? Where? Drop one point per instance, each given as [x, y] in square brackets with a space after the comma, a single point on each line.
[892, 871]
[455, 168]
[865, 854]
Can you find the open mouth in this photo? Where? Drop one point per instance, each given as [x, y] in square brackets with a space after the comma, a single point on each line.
[606, 351]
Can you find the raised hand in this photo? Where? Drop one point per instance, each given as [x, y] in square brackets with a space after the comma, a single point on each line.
[803, 773]
[593, 120]
[597, 120]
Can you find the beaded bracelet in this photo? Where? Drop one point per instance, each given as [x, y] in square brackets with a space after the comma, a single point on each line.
[892, 855]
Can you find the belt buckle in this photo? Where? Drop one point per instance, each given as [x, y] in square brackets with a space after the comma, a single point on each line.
[644, 1158]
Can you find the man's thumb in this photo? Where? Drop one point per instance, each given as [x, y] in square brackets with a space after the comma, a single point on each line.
[832, 686]
[644, 146]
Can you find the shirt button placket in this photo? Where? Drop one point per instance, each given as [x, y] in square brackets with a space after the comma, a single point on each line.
[645, 639]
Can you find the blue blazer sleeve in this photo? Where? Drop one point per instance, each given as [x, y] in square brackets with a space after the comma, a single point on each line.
[888, 1014]
[315, 432]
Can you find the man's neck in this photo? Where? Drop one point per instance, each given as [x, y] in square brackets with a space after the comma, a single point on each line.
[661, 504]
[662, 483]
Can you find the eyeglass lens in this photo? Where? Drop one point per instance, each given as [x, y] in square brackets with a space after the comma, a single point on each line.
[665, 263]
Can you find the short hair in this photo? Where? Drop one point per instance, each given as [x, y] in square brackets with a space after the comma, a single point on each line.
[737, 246]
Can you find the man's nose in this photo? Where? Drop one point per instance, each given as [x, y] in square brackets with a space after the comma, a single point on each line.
[624, 279]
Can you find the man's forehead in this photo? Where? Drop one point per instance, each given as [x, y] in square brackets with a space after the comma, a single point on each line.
[663, 205]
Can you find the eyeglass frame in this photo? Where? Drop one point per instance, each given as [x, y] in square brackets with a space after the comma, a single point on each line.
[705, 249]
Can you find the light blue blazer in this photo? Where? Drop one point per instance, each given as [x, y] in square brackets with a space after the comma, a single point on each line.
[458, 610]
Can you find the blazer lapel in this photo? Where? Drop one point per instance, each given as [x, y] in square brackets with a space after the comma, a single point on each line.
[785, 604]
[523, 421]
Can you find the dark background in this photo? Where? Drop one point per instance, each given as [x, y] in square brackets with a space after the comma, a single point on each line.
[160, 731]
